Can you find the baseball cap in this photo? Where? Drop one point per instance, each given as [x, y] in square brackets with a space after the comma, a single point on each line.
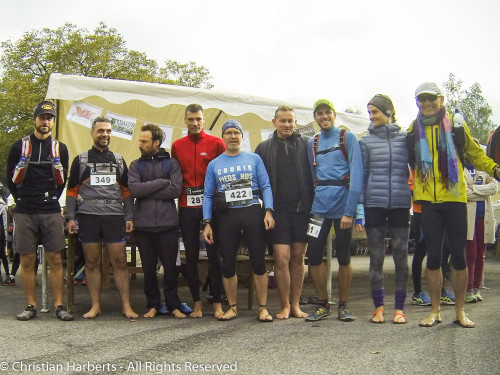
[45, 107]
[428, 88]
[321, 102]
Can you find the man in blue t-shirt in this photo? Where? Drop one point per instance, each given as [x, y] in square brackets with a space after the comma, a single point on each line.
[234, 182]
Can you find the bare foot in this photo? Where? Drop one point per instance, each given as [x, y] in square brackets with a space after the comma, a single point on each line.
[178, 314]
[197, 310]
[218, 312]
[283, 314]
[129, 313]
[151, 313]
[298, 313]
[93, 312]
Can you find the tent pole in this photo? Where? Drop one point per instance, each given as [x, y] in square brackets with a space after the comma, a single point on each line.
[216, 118]
[57, 118]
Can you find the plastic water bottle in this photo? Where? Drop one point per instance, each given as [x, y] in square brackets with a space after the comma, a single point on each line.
[458, 119]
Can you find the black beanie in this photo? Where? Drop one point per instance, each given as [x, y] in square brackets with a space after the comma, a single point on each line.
[384, 103]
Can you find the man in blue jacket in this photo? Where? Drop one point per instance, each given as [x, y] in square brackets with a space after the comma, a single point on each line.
[155, 180]
[337, 170]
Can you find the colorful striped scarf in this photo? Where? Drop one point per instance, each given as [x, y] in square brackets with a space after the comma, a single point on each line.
[447, 154]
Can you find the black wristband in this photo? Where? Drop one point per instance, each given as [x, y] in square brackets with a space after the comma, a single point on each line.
[206, 221]
[269, 209]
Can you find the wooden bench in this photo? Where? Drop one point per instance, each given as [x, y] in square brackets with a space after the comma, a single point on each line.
[243, 269]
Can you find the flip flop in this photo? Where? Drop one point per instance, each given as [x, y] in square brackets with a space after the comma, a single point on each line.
[434, 319]
[397, 321]
[264, 320]
[462, 317]
[375, 313]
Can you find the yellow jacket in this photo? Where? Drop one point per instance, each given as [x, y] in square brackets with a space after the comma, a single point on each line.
[434, 190]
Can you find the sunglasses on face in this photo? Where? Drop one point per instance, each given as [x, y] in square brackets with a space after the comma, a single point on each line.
[426, 98]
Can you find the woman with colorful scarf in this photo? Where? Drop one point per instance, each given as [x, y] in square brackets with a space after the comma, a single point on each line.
[386, 198]
[441, 188]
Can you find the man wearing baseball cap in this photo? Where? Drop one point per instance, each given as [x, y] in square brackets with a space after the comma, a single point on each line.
[437, 146]
[337, 169]
[37, 168]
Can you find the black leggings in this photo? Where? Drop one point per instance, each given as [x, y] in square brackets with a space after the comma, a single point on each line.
[3, 256]
[233, 224]
[316, 245]
[441, 218]
[190, 221]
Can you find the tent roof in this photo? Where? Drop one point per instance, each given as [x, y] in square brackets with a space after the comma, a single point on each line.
[71, 87]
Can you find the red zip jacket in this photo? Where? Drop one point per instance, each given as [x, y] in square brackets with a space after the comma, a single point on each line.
[194, 152]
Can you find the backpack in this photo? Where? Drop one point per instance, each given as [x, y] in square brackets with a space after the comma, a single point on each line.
[84, 159]
[23, 164]
[166, 165]
[342, 146]
[345, 181]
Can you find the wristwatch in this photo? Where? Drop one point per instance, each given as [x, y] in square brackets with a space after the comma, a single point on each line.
[269, 209]
[206, 221]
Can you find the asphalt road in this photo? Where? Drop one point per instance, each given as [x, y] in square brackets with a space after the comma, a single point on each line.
[111, 344]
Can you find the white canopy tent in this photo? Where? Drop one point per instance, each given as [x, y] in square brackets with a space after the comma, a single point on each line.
[132, 103]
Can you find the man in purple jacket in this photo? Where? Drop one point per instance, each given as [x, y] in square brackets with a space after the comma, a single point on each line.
[155, 180]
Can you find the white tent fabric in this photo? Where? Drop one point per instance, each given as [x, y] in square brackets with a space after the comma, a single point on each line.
[70, 87]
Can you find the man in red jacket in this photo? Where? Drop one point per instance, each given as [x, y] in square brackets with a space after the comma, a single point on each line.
[194, 152]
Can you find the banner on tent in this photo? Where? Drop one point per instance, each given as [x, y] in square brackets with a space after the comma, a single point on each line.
[83, 113]
[123, 126]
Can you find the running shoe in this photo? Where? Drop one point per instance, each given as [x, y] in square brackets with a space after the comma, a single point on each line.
[470, 297]
[62, 314]
[344, 314]
[447, 298]
[478, 295]
[421, 299]
[185, 309]
[320, 313]
[27, 314]
[10, 281]
[163, 310]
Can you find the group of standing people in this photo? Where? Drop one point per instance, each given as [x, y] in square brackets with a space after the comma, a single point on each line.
[288, 193]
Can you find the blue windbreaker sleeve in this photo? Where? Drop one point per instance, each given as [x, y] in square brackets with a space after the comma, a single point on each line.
[356, 174]
[360, 214]
[209, 191]
[264, 183]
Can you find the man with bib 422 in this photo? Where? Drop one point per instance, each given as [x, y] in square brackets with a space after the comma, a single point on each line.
[234, 182]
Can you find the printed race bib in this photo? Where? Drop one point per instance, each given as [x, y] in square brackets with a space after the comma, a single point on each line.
[194, 196]
[240, 190]
[238, 194]
[101, 178]
[314, 226]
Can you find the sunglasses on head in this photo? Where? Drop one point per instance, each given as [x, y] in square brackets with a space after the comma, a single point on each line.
[426, 97]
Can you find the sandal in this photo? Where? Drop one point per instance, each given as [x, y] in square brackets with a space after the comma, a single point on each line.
[431, 320]
[380, 309]
[463, 320]
[224, 319]
[397, 315]
[265, 319]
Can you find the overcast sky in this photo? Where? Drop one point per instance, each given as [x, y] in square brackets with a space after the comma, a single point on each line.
[299, 51]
